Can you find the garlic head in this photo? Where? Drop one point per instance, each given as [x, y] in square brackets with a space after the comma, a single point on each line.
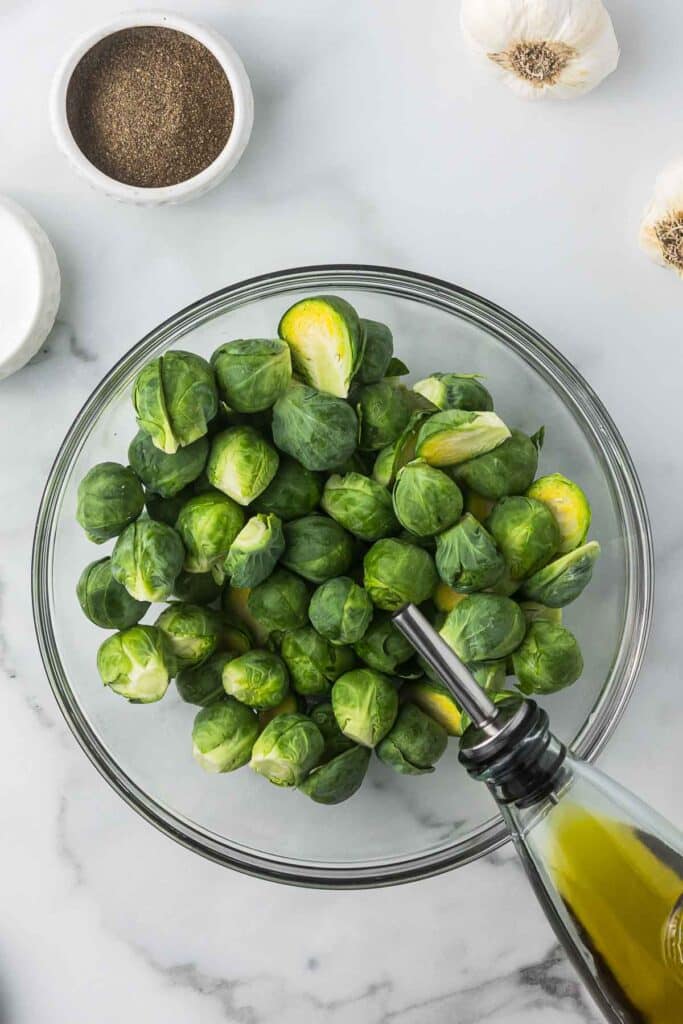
[543, 48]
[661, 231]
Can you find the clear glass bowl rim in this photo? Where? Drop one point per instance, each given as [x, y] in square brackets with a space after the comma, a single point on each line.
[558, 373]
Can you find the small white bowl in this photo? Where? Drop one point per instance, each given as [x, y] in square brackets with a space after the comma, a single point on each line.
[191, 188]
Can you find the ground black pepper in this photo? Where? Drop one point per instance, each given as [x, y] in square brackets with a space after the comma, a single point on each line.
[150, 106]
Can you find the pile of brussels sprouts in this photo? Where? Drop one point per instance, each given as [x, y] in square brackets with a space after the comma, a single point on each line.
[286, 498]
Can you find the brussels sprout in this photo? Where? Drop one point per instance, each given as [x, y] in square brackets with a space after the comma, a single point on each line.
[338, 779]
[568, 504]
[175, 398]
[147, 559]
[203, 684]
[335, 740]
[383, 468]
[490, 675]
[192, 632]
[255, 551]
[241, 464]
[223, 735]
[382, 647]
[561, 582]
[317, 548]
[257, 678]
[435, 699]
[445, 598]
[533, 611]
[526, 533]
[360, 505]
[485, 627]
[104, 600]
[365, 705]
[414, 744]
[196, 588]
[236, 637]
[478, 506]
[208, 524]
[396, 573]
[396, 368]
[136, 664]
[317, 429]
[290, 704]
[280, 602]
[383, 414]
[110, 497]
[455, 391]
[167, 510]
[235, 605]
[398, 454]
[162, 473]
[326, 340]
[467, 557]
[454, 436]
[548, 659]
[311, 661]
[340, 610]
[293, 492]
[426, 501]
[497, 696]
[252, 374]
[508, 469]
[379, 348]
[287, 749]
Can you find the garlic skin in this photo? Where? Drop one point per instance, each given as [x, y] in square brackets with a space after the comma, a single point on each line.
[661, 230]
[543, 48]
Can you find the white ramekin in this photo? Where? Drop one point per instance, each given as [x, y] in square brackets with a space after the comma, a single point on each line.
[192, 187]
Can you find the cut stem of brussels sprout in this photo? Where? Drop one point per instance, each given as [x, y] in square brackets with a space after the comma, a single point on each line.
[379, 348]
[317, 429]
[137, 664]
[280, 602]
[257, 678]
[426, 501]
[568, 504]
[455, 391]
[549, 659]
[526, 532]
[241, 464]
[467, 557]
[104, 600]
[326, 341]
[287, 749]
[414, 744]
[147, 559]
[192, 632]
[162, 473]
[360, 505]
[340, 610]
[453, 436]
[255, 551]
[562, 581]
[252, 374]
[338, 779]
[175, 398]
[223, 736]
[396, 573]
[110, 497]
[203, 684]
[365, 705]
[508, 469]
[485, 627]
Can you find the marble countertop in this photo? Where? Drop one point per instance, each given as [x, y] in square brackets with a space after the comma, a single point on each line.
[375, 141]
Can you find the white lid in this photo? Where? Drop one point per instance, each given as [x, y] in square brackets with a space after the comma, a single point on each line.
[29, 287]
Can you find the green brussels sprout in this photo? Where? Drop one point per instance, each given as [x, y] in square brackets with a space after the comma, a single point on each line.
[175, 398]
[526, 533]
[252, 374]
[255, 551]
[208, 524]
[365, 705]
[478, 506]
[508, 469]
[223, 736]
[287, 749]
[339, 778]
[485, 627]
[317, 429]
[257, 678]
[383, 414]
[548, 659]
[342, 659]
[426, 501]
[236, 637]
[568, 504]
[241, 464]
[467, 557]
[203, 684]
[326, 341]
[192, 632]
[293, 492]
[290, 704]
[147, 559]
[379, 348]
[162, 473]
[396, 368]
[235, 605]
[454, 436]
[533, 611]
[455, 391]
[280, 602]
[383, 468]
[167, 510]
[382, 647]
[104, 600]
[317, 548]
[196, 588]
[414, 744]
[360, 505]
[561, 582]
[398, 454]
[497, 696]
[436, 701]
[137, 664]
[340, 610]
[310, 660]
[396, 573]
[335, 740]
[110, 497]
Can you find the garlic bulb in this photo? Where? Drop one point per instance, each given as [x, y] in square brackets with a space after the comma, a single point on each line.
[661, 232]
[540, 48]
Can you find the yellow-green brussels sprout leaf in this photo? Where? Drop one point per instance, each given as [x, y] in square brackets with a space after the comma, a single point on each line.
[223, 735]
[287, 749]
[326, 341]
[568, 504]
[434, 699]
[453, 436]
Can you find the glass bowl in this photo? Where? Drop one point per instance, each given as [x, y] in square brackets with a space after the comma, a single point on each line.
[396, 828]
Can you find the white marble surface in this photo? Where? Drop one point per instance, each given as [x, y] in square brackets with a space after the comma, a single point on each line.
[375, 141]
